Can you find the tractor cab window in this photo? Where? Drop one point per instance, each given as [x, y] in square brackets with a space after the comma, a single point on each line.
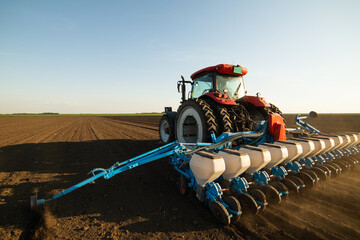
[231, 85]
[202, 85]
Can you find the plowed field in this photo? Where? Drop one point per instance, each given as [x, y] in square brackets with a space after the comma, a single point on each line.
[48, 154]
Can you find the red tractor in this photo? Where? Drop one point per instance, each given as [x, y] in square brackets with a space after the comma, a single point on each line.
[217, 103]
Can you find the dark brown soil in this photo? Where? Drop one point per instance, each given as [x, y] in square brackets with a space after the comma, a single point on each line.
[48, 154]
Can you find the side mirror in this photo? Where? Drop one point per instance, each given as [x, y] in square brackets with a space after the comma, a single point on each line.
[313, 114]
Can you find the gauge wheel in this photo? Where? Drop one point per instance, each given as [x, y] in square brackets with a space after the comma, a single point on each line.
[293, 188]
[280, 187]
[234, 205]
[272, 195]
[248, 203]
[260, 198]
[220, 212]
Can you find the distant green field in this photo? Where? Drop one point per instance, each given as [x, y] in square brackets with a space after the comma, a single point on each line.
[104, 114]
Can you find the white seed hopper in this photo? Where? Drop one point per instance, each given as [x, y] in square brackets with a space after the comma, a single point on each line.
[259, 158]
[294, 150]
[278, 154]
[206, 167]
[236, 163]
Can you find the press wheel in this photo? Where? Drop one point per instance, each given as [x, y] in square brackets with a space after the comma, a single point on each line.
[248, 203]
[220, 212]
[306, 178]
[272, 195]
[320, 173]
[259, 197]
[293, 188]
[280, 187]
[235, 206]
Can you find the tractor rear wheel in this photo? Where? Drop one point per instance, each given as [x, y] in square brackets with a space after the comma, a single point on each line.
[195, 122]
[222, 116]
[166, 130]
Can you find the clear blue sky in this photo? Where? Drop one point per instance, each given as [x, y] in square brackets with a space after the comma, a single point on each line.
[126, 56]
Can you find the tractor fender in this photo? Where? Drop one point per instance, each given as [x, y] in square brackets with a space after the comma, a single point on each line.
[220, 98]
[257, 101]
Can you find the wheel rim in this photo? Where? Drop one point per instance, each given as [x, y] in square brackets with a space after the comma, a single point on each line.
[164, 131]
[189, 127]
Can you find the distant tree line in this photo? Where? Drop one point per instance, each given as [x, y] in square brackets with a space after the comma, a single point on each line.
[44, 113]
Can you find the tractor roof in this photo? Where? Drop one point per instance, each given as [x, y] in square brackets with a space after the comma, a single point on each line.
[228, 69]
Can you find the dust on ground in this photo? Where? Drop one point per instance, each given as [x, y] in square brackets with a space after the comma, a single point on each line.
[48, 154]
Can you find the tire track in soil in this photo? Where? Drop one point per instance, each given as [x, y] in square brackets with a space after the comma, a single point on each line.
[136, 125]
[309, 219]
[51, 135]
[24, 137]
[33, 135]
[76, 132]
[129, 130]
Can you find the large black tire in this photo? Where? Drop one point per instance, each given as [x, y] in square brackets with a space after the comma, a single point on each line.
[235, 206]
[220, 212]
[195, 122]
[166, 130]
[222, 116]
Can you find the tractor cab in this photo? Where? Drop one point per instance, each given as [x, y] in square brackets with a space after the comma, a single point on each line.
[224, 79]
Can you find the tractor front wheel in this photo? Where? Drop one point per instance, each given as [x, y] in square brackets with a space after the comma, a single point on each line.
[166, 130]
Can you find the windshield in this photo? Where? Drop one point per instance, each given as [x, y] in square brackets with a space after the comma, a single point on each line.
[202, 85]
[231, 85]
